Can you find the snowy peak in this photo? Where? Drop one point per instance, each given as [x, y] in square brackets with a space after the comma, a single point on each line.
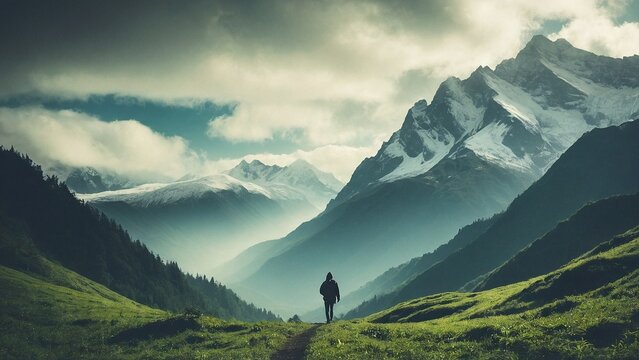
[300, 182]
[157, 194]
[304, 169]
[541, 45]
[520, 117]
[255, 170]
[317, 186]
[540, 52]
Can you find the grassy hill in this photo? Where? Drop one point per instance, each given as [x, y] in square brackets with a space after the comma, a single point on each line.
[586, 309]
[58, 314]
[62, 315]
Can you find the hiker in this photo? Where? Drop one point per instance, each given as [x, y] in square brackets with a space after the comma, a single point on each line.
[330, 292]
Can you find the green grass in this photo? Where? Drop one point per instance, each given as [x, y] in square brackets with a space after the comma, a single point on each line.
[65, 316]
[587, 309]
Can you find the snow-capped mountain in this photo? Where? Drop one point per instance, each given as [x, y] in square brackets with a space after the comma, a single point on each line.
[203, 221]
[159, 194]
[317, 186]
[466, 155]
[520, 117]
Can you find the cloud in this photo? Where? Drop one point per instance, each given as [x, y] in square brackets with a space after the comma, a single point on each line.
[595, 30]
[71, 139]
[318, 72]
[67, 139]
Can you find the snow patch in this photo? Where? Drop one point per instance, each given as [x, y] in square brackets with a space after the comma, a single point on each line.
[414, 166]
[154, 194]
[488, 145]
[463, 108]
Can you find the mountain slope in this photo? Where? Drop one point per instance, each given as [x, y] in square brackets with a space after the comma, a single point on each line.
[591, 225]
[58, 314]
[203, 222]
[603, 163]
[40, 216]
[587, 309]
[53, 316]
[203, 228]
[467, 155]
[395, 277]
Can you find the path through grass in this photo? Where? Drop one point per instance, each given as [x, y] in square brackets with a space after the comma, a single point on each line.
[295, 347]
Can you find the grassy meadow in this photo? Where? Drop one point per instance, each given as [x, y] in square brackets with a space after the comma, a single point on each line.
[587, 309]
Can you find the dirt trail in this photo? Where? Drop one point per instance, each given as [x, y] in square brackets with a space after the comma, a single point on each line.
[295, 347]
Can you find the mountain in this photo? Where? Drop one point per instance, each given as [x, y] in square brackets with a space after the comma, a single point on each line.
[590, 226]
[395, 277]
[521, 116]
[202, 222]
[87, 180]
[317, 186]
[41, 218]
[466, 155]
[602, 163]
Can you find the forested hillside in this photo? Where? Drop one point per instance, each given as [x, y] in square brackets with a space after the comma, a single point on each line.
[80, 238]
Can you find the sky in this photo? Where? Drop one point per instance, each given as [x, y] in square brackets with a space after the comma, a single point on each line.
[155, 90]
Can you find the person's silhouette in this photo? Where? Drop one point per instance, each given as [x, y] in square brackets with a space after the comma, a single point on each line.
[330, 292]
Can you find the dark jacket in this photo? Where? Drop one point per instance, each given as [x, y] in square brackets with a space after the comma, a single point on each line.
[330, 291]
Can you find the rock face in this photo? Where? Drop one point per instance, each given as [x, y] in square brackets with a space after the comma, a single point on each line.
[88, 180]
[466, 155]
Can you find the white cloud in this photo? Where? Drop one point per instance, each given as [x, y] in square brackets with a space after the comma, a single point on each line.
[341, 74]
[290, 66]
[594, 30]
[71, 139]
[126, 147]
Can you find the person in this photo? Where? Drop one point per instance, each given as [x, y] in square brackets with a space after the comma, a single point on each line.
[330, 292]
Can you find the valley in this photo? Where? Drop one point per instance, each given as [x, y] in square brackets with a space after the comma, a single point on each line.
[500, 220]
[540, 317]
[478, 146]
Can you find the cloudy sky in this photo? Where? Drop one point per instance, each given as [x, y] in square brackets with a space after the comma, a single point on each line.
[157, 89]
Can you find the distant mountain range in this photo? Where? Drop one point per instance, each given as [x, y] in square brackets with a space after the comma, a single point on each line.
[202, 222]
[318, 187]
[467, 155]
[601, 164]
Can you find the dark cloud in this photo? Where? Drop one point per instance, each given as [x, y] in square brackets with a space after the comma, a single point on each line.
[292, 67]
[418, 16]
[55, 37]
[98, 35]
